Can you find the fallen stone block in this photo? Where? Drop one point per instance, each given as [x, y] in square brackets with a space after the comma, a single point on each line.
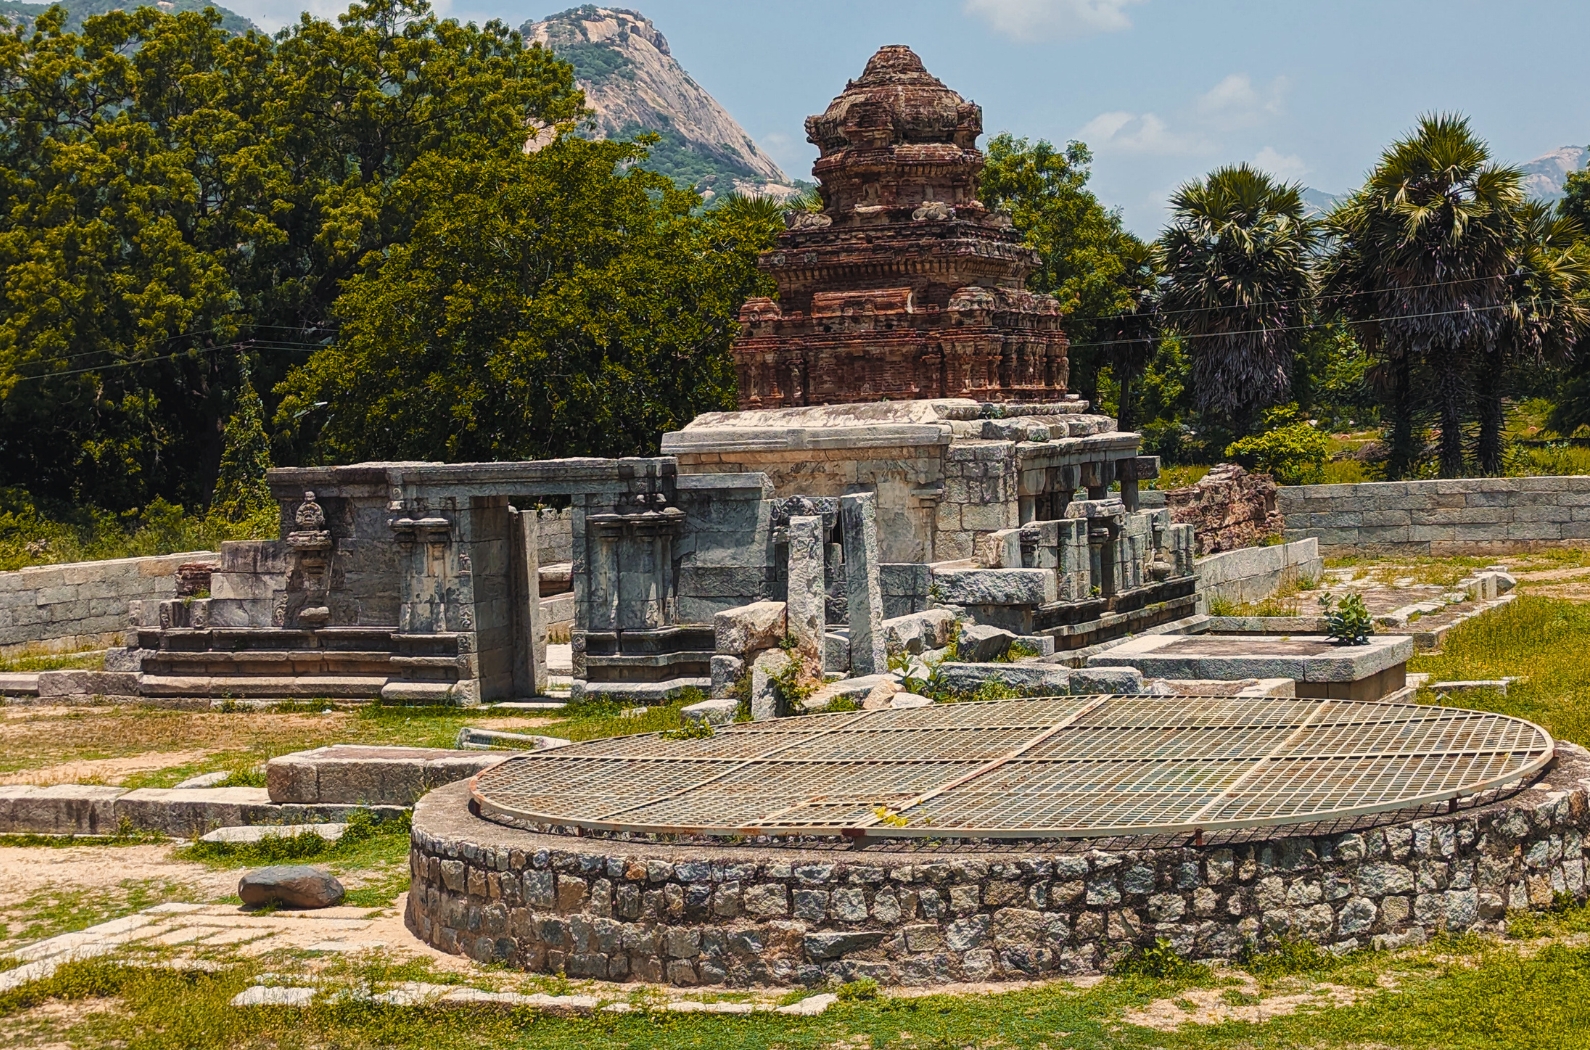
[974, 587]
[292, 886]
[203, 780]
[60, 809]
[979, 643]
[189, 811]
[749, 628]
[726, 674]
[765, 699]
[916, 632]
[855, 689]
[906, 701]
[368, 775]
[87, 683]
[1091, 681]
[810, 1006]
[259, 995]
[719, 711]
[490, 739]
[259, 832]
[19, 683]
[1028, 679]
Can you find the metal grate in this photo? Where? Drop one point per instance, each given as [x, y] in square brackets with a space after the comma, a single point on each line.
[1057, 767]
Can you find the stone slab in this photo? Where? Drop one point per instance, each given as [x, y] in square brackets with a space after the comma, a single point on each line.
[368, 775]
[1310, 658]
[250, 833]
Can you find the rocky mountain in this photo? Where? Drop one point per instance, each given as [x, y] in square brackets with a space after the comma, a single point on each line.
[17, 12]
[1545, 176]
[634, 84]
[1319, 202]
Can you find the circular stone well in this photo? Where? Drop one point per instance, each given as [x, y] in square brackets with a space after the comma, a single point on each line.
[1006, 840]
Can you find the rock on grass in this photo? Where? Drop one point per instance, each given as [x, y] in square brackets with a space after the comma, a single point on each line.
[292, 886]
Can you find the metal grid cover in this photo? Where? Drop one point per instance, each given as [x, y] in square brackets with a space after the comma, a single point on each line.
[1055, 767]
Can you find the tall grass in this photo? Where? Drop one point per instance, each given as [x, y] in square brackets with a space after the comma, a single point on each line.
[1543, 639]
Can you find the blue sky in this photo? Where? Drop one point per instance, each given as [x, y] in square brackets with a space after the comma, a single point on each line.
[1162, 91]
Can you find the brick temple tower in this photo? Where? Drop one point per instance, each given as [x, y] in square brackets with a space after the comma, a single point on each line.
[905, 286]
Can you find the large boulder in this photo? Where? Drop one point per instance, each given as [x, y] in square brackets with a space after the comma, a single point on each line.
[749, 629]
[917, 632]
[292, 886]
[979, 643]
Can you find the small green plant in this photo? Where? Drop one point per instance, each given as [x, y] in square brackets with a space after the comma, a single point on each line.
[692, 729]
[1348, 621]
[859, 990]
[1018, 651]
[792, 683]
[1222, 606]
[996, 690]
[843, 703]
[1286, 959]
[1162, 962]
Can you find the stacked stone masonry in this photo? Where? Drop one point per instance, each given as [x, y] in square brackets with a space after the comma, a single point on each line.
[1439, 518]
[81, 605]
[742, 916]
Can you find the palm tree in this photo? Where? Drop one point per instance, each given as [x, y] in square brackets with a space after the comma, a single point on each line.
[1424, 250]
[1236, 264]
[1131, 337]
[1545, 313]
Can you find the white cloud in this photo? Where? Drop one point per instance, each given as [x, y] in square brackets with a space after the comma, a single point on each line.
[1025, 20]
[1236, 103]
[1138, 133]
[1288, 167]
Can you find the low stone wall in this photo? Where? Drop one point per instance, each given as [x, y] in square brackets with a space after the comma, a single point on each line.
[743, 916]
[81, 605]
[1254, 573]
[1461, 516]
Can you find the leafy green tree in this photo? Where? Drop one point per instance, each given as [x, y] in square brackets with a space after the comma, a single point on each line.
[241, 492]
[171, 194]
[1286, 447]
[1102, 275]
[1236, 261]
[565, 302]
[1420, 260]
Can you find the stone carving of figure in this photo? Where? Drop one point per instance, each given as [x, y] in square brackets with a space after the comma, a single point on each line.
[935, 211]
[310, 517]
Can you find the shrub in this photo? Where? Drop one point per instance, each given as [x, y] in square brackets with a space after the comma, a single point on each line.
[1162, 962]
[1289, 449]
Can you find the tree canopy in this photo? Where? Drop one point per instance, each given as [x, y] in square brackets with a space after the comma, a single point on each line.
[171, 193]
[544, 305]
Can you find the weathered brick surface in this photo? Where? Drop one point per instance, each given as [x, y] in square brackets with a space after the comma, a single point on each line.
[740, 916]
[1460, 516]
[81, 604]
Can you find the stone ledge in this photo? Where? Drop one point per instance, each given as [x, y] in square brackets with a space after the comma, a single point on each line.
[741, 915]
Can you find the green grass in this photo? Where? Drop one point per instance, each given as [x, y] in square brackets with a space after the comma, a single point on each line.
[40, 660]
[51, 912]
[1469, 994]
[1544, 639]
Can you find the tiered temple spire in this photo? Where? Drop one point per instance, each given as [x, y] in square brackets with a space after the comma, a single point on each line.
[905, 285]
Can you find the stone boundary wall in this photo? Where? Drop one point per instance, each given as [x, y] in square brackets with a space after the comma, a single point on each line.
[81, 605]
[1254, 573]
[1461, 516]
[742, 916]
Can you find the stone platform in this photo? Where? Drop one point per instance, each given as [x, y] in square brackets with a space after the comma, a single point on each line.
[1320, 667]
[767, 915]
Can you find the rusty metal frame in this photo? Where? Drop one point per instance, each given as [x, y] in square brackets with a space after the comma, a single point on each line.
[1182, 765]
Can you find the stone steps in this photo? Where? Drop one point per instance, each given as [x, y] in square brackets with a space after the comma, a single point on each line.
[265, 687]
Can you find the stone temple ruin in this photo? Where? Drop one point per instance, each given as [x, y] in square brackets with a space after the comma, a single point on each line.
[906, 447]
[906, 478]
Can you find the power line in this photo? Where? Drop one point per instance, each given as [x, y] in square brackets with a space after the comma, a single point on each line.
[250, 344]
